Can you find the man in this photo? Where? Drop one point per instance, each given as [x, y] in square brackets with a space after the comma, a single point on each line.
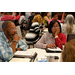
[10, 42]
[6, 17]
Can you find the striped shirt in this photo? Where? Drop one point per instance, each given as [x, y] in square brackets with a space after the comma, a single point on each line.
[35, 28]
[6, 52]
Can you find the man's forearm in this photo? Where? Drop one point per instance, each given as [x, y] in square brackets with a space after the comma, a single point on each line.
[13, 46]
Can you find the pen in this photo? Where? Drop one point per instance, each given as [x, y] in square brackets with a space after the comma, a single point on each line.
[55, 47]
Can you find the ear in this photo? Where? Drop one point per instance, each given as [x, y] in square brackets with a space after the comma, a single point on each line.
[4, 30]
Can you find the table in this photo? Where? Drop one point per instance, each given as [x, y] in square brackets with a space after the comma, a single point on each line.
[42, 53]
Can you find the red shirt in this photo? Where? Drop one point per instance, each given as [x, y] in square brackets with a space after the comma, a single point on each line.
[16, 18]
[6, 17]
[60, 40]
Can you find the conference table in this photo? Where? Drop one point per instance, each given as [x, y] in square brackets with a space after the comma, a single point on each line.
[41, 54]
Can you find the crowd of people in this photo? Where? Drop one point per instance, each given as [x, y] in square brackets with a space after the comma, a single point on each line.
[59, 25]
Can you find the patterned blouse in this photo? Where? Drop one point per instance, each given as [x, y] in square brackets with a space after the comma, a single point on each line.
[47, 38]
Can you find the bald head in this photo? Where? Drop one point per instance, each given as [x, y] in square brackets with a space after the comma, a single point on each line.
[5, 24]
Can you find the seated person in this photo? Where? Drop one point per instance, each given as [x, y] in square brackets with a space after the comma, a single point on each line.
[53, 37]
[22, 17]
[10, 42]
[68, 54]
[36, 24]
[1, 15]
[16, 16]
[6, 17]
[30, 19]
[68, 27]
[36, 29]
[46, 18]
[54, 17]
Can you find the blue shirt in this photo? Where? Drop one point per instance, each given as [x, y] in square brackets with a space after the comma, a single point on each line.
[6, 52]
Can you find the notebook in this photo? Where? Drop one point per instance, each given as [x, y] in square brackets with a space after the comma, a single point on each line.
[20, 60]
[24, 54]
[57, 49]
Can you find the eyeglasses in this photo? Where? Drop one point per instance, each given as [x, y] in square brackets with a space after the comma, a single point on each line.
[12, 29]
[56, 27]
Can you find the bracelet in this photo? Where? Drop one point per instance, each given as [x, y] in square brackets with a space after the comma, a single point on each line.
[56, 36]
[15, 41]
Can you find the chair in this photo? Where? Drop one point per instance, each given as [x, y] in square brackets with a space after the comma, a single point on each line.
[70, 37]
[1, 22]
[19, 31]
[31, 38]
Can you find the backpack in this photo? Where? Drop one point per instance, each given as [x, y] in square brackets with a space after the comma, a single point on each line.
[24, 24]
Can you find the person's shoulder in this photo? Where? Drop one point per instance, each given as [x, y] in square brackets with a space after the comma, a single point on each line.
[35, 23]
[47, 34]
[62, 34]
[63, 25]
[1, 33]
[1, 36]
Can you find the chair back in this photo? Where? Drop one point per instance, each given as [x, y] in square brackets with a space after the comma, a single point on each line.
[70, 37]
[1, 22]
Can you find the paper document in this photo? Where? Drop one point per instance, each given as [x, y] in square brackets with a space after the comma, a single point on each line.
[24, 54]
[20, 60]
[54, 49]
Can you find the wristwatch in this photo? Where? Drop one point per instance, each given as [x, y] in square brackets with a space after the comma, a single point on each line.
[56, 36]
[15, 41]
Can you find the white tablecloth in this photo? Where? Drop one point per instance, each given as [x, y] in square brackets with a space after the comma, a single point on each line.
[42, 53]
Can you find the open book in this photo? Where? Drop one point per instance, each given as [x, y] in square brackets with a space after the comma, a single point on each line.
[57, 49]
[28, 54]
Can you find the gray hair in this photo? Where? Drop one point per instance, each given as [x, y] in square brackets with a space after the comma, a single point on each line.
[69, 23]
[5, 24]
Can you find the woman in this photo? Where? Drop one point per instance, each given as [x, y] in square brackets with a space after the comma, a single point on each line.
[68, 54]
[66, 13]
[46, 18]
[68, 27]
[36, 24]
[16, 16]
[53, 37]
[54, 17]
[35, 29]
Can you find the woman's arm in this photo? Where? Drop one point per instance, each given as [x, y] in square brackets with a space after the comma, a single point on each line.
[47, 19]
[41, 42]
[62, 20]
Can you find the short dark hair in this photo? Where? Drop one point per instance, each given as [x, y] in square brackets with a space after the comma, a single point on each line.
[54, 13]
[5, 24]
[23, 13]
[51, 25]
